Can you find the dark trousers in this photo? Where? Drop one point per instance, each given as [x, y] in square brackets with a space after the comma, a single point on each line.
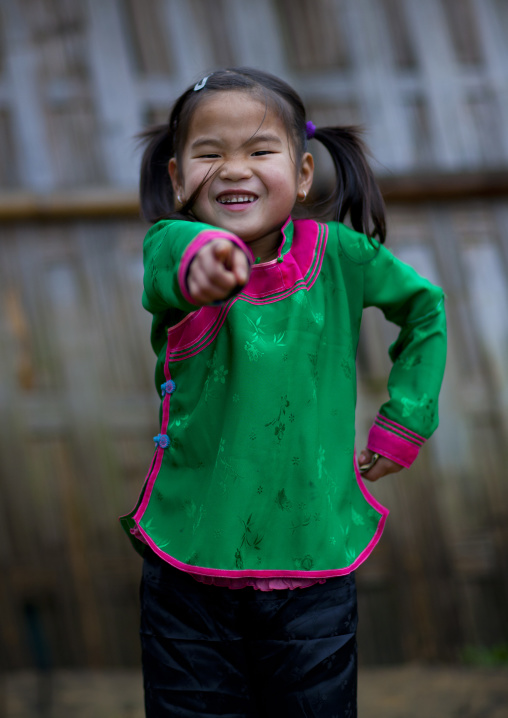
[212, 651]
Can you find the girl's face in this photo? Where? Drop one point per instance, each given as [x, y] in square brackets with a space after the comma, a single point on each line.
[256, 181]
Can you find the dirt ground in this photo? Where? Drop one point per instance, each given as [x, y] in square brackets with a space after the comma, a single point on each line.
[400, 692]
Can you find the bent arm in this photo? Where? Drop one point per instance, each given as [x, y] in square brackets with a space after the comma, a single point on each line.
[410, 416]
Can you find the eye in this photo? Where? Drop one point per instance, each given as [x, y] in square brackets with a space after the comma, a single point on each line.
[209, 156]
[260, 153]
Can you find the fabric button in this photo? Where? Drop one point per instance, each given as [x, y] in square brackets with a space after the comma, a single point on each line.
[168, 387]
[162, 441]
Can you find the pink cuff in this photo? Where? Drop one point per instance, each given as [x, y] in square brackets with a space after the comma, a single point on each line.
[193, 248]
[394, 441]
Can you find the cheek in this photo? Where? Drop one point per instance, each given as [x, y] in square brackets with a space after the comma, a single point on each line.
[283, 186]
[281, 178]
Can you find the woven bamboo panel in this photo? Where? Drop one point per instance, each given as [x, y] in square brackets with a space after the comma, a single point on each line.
[77, 406]
[78, 412]
[78, 80]
[444, 550]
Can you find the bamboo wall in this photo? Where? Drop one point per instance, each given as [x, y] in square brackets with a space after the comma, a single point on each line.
[77, 405]
[78, 413]
[78, 78]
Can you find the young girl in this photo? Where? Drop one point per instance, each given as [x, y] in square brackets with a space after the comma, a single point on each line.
[254, 484]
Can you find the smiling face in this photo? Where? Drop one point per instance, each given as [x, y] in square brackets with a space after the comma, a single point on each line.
[256, 175]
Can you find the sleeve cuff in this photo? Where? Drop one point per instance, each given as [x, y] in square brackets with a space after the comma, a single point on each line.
[193, 248]
[394, 441]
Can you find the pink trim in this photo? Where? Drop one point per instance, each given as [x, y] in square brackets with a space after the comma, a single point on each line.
[195, 326]
[369, 498]
[159, 454]
[135, 531]
[193, 248]
[308, 239]
[398, 432]
[137, 534]
[259, 584]
[309, 243]
[203, 571]
[306, 254]
[214, 322]
[394, 447]
[421, 440]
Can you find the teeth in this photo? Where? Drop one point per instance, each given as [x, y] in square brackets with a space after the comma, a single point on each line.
[236, 199]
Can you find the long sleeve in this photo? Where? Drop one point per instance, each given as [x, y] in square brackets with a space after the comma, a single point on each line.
[168, 250]
[413, 303]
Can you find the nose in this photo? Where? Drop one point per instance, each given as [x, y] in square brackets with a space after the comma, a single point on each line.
[234, 169]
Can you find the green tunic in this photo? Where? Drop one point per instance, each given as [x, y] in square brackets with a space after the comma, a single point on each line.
[254, 472]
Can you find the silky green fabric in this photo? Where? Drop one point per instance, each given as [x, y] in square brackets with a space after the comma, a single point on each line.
[259, 475]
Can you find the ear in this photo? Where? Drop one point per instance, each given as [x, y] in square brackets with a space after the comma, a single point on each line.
[175, 177]
[305, 175]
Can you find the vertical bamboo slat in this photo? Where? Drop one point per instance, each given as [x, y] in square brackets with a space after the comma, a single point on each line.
[77, 405]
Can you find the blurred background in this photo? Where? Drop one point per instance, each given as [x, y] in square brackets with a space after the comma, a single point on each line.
[78, 78]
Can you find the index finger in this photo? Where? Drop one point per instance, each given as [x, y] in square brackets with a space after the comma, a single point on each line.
[240, 266]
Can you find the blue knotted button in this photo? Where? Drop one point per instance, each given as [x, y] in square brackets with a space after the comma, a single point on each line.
[168, 387]
[162, 441]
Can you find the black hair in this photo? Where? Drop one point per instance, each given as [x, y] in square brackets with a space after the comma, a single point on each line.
[356, 191]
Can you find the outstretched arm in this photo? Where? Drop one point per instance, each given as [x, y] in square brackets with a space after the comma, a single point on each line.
[190, 264]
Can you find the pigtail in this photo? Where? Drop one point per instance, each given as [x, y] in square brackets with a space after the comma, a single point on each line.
[356, 191]
[155, 188]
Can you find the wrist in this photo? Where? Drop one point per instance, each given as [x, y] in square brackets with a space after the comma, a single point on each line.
[394, 442]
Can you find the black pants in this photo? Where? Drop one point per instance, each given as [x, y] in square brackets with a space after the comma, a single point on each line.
[212, 651]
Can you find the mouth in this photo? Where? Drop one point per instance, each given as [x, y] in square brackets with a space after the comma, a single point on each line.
[236, 198]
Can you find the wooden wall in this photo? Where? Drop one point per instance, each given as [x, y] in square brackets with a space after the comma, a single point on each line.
[442, 573]
[79, 78]
[77, 405]
[78, 413]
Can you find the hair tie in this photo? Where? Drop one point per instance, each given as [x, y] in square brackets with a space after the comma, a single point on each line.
[310, 130]
[199, 85]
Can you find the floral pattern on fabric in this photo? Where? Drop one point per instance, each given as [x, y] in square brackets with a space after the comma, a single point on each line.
[279, 422]
[260, 473]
